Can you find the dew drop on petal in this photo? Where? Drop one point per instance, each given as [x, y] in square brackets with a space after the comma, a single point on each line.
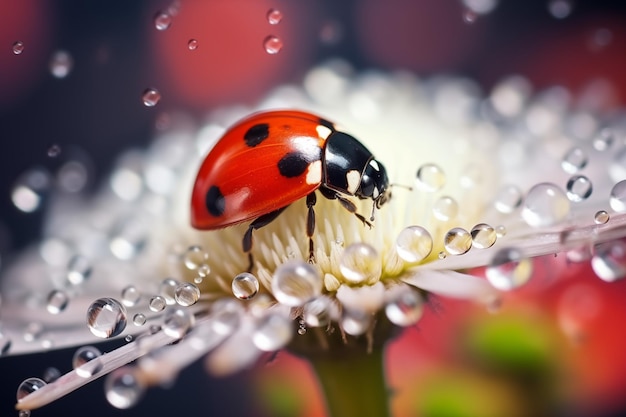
[617, 200]
[603, 140]
[84, 355]
[272, 44]
[150, 97]
[167, 290]
[139, 319]
[274, 16]
[122, 388]
[414, 244]
[245, 286]
[106, 317]
[509, 269]
[272, 332]
[609, 260]
[508, 199]
[28, 386]
[194, 257]
[405, 307]
[192, 44]
[545, 205]
[54, 150]
[500, 231]
[57, 301]
[457, 241]
[441, 255]
[430, 178]
[178, 322]
[296, 282]
[187, 294]
[61, 64]
[317, 312]
[162, 20]
[78, 270]
[483, 236]
[359, 263]
[601, 217]
[574, 160]
[130, 296]
[157, 303]
[355, 322]
[445, 208]
[579, 188]
[203, 270]
[226, 316]
[18, 47]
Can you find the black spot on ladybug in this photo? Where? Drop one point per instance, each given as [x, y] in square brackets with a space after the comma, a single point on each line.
[215, 202]
[293, 164]
[257, 134]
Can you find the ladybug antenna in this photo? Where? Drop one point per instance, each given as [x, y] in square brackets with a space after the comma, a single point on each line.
[406, 187]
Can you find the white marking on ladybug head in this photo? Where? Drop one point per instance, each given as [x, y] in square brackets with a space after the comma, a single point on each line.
[314, 173]
[374, 164]
[323, 132]
[353, 178]
[375, 193]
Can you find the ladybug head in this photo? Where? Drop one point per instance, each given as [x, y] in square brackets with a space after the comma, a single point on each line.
[374, 184]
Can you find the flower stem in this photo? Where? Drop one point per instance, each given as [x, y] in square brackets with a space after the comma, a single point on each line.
[353, 385]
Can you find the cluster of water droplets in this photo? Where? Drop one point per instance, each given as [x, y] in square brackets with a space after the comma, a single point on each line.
[273, 44]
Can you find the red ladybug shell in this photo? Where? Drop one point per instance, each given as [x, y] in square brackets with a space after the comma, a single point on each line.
[263, 163]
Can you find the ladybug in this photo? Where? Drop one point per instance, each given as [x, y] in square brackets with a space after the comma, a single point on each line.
[271, 159]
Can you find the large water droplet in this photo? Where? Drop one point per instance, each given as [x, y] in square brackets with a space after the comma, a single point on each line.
[150, 97]
[457, 241]
[274, 16]
[28, 386]
[57, 301]
[609, 260]
[78, 270]
[317, 312]
[106, 317]
[483, 236]
[296, 282]
[579, 188]
[509, 269]
[195, 257]
[162, 20]
[86, 361]
[167, 289]
[61, 64]
[272, 44]
[192, 45]
[157, 303]
[601, 217]
[272, 332]
[508, 199]
[187, 294]
[445, 208]
[18, 47]
[574, 160]
[617, 200]
[405, 307]
[245, 286]
[430, 178]
[414, 244]
[178, 322]
[122, 388]
[360, 263]
[545, 205]
[130, 296]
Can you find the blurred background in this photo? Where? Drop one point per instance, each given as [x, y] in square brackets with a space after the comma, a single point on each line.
[82, 81]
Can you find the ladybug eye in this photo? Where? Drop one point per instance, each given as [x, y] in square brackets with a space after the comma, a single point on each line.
[367, 185]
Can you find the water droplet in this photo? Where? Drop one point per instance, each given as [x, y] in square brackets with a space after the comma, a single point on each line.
[203, 270]
[61, 64]
[272, 332]
[500, 231]
[274, 16]
[457, 241]
[87, 355]
[54, 150]
[272, 45]
[508, 199]
[617, 201]
[574, 160]
[317, 312]
[245, 286]
[122, 388]
[355, 322]
[28, 386]
[579, 188]
[106, 317]
[509, 269]
[296, 282]
[130, 296]
[128, 338]
[51, 374]
[167, 289]
[609, 260]
[139, 319]
[57, 301]
[33, 331]
[603, 140]
[483, 236]
[178, 322]
[192, 44]
[545, 205]
[445, 208]
[150, 97]
[226, 316]
[430, 178]
[441, 255]
[414, 244]
[157, 303]
[5, 344]
[195, 257]
[601, 217]
[162, 20]
[18, 47]
[78, 270]
[187, 294]
[405, 307]
[30, 189]
[360, 263]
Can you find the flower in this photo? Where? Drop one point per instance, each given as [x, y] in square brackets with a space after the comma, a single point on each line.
[494, 182]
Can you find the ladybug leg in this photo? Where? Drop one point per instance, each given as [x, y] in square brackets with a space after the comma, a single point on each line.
[259, 222]
[349, 205]
[311, 199]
